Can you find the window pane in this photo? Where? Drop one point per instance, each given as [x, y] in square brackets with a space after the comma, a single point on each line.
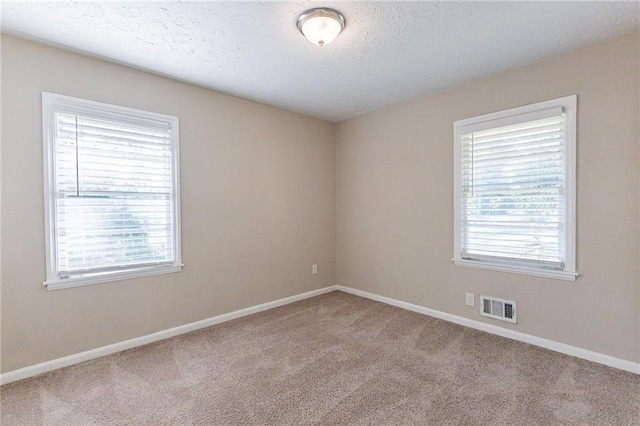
[115, 200]
[512, 202]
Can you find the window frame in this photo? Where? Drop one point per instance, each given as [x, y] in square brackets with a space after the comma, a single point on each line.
[53, 103]
[509, 116]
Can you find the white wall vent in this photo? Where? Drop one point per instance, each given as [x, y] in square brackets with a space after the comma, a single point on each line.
[501, 309]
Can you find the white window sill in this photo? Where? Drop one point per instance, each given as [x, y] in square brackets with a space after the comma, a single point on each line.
[58, 284]
[545, 273]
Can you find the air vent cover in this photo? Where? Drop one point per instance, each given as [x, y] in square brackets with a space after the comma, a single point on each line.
[501, 309]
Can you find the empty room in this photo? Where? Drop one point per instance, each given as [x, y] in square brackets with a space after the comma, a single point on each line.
[265, 213]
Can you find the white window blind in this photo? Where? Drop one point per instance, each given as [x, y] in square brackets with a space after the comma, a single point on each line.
[113, 190]
[512, 192]
[512, 202]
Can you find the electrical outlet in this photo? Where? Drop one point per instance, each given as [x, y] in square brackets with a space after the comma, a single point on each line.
[314, 269]
[470, 299]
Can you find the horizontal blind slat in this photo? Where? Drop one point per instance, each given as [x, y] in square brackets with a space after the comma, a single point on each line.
[112, 268]
[518, 142]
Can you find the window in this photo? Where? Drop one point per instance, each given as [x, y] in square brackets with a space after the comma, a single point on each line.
[111, 192]
[515, 190]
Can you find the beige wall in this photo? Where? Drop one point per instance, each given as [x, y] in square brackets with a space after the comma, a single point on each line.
[259, 205]
[395, 201]
[258, 208]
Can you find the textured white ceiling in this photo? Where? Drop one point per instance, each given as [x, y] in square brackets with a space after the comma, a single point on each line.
[388, 53]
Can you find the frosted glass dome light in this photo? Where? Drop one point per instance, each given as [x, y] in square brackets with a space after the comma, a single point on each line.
[321, 25]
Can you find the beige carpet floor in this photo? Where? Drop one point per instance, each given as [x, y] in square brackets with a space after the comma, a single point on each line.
[333, 359]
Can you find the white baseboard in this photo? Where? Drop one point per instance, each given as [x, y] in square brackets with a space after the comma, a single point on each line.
[597, 357]
[66, 361]
[34, 370]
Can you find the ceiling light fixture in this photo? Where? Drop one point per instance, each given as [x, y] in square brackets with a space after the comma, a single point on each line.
[321, 25]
